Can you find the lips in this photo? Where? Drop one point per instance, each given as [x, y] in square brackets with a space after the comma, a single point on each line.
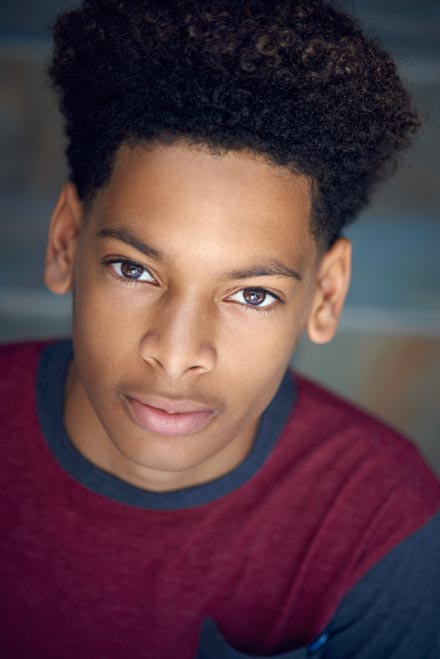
[170, 417]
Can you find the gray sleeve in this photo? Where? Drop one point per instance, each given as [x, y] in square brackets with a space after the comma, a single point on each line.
[393, 612]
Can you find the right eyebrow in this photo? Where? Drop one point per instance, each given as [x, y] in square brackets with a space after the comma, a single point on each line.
[126, 237]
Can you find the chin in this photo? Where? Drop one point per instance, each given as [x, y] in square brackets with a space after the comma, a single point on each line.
[165, 454]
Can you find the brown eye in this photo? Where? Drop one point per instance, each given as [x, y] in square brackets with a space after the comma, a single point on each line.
[258, 299]
[131, 270]
[254, 296]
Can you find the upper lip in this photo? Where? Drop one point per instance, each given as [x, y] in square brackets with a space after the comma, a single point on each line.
[173, 405]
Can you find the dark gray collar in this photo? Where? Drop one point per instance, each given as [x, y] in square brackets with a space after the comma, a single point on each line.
[51, 375]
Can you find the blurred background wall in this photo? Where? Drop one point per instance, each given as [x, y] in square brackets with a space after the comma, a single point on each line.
[386, 356]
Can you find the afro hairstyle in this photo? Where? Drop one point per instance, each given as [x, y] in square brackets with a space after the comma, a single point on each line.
[293, 80]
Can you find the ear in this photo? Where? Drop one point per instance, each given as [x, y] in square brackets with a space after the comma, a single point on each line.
[65, 226]
[333, 280]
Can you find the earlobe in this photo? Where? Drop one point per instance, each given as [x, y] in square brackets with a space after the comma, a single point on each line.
[333, 280]
[65, 226]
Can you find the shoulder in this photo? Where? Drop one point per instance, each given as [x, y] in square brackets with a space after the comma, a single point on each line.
[18, 363]
[368, 482]
[394, 610]
[334, 425]
[318, 404]
[11, 353]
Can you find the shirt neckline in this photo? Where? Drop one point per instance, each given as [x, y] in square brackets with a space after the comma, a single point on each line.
[51, 376]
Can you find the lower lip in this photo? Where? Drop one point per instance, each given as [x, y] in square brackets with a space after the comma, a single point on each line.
[160, 422]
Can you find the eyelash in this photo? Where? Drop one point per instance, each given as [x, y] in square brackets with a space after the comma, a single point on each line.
[128, 280]
[248, 307]
[260, 310]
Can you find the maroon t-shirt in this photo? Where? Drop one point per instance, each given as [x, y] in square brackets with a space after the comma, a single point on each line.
[94, 567]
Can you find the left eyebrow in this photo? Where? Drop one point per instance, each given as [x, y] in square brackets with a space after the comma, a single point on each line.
[271, 268]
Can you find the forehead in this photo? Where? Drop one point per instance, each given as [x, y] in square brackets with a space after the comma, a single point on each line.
[225, 198]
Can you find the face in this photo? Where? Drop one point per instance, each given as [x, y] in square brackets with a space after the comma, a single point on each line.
[194, 276]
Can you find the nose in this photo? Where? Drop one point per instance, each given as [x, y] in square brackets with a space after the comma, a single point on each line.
[179, 339]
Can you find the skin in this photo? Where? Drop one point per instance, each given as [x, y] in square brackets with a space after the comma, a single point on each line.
[186, 327]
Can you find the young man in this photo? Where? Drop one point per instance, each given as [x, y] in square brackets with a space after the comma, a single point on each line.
[170, 488]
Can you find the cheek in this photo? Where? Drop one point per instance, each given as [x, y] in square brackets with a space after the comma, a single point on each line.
[254, 360]
[101, 336]
[269, 338]
[103, 313]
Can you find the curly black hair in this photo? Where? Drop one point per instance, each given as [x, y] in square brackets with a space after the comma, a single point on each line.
[294, 80]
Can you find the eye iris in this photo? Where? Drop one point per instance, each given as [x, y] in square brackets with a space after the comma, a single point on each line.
[254, 296]
[131, 270]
